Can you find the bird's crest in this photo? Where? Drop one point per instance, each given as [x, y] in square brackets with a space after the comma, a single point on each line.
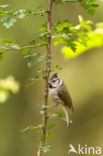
[54, 76]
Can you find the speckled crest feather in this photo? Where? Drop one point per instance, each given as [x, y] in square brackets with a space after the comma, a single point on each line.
[54, 76]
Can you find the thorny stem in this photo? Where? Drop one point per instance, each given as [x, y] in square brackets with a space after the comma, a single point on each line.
[48, 65]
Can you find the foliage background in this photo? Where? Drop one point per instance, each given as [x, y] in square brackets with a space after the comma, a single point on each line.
[82, 75]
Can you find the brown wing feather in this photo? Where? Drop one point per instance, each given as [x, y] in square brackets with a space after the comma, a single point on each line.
[65, 96]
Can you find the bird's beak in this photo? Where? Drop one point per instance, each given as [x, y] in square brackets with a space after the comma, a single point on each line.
[49, 84]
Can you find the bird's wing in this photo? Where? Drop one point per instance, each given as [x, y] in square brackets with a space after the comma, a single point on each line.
[65, 96]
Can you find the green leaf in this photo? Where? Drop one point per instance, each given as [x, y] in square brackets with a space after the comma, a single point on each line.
[99, 25]
[58, 67]
[7, 41]
[31, 128]
[44, 36]
[63, 25]
[58, 2]
[20, 13]
[32, 42]
[43, 28]
[4, 6]
[63, 1]
[46, 149]
[44, 33]
[40, 138]
[31, 81]
[58, 39]
[85, 24]
[14, 46]
[41, 71]
[8, 21]
[88, 5]
[51, 126]
[25, 51]
[32, 58]
[58, 114]
[42, 111]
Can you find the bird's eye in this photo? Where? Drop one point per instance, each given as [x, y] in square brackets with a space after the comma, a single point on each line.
[53, 80]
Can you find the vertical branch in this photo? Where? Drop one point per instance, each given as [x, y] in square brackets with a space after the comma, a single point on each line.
[48, 65]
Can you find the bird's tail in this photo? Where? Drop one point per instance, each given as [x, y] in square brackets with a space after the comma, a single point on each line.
[66, 111]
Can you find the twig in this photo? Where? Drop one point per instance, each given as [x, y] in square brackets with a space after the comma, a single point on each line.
[32, 46]
[27, 12]
[39, 12]
[20, 48]
[48, 65]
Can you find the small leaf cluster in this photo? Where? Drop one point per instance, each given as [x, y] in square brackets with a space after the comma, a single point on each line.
[66, 33]
[89, 5]
[8, 18]
[43, 36]
[95, 40]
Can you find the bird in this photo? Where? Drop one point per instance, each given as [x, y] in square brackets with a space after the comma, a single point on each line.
[60, 95]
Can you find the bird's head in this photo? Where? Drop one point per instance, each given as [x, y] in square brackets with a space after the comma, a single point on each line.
[54, 81]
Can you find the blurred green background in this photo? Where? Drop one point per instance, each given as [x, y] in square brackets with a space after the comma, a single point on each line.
[82, 75]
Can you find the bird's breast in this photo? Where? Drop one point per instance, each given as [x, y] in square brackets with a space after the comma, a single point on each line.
[54, 95]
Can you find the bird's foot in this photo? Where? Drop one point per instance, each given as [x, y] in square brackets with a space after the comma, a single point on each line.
[47, 107]
[44, 107]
